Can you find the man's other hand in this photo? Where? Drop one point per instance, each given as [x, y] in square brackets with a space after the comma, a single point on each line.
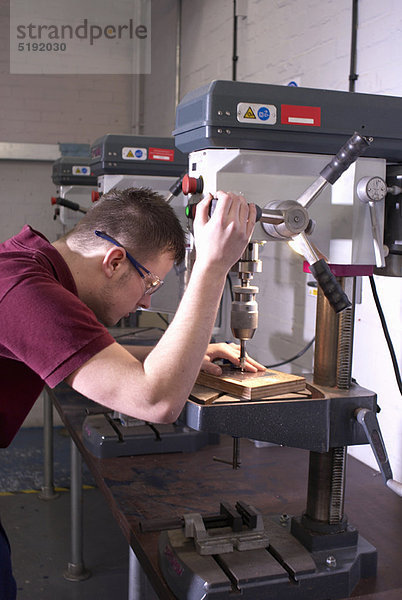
[229, 352]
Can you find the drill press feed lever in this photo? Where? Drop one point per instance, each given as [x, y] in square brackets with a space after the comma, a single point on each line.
[369, 422]
[69, 204]
[289, 220]
[296, 223]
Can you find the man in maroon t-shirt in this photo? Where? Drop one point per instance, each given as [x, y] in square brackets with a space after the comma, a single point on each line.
[56, 301]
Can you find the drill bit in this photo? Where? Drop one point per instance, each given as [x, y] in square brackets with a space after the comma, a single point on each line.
[242, 355]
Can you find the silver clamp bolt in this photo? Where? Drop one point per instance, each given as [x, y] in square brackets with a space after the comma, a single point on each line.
[331, 561]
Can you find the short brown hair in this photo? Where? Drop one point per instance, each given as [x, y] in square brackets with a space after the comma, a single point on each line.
[139, 218]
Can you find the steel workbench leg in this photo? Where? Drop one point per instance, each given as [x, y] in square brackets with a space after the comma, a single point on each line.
[76, 570]
[139, 587]
[47, 492]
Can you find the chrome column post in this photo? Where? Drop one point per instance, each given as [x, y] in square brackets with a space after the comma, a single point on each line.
[76, 570]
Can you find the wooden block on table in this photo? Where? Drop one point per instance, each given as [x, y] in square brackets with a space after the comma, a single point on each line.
[204, 394]
[227, 399]
[252, 386]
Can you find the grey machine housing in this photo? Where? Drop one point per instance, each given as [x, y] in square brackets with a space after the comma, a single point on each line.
[73, 170]
[107, 156]
[208, 118]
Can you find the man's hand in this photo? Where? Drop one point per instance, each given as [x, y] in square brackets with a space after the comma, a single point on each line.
[220, 239]
[229, 352]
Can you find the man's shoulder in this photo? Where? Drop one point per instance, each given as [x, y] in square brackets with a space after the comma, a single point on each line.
[28, 240]
[29, 254]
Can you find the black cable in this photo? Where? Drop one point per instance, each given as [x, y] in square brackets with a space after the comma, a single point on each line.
[235, 58]
[353, 51]
[289, 360]
[163, 318]
[386, 332]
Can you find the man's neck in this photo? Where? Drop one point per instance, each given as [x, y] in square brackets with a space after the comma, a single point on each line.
[82, 267]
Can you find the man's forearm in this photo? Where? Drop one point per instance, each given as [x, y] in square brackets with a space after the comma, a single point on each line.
[175, 361]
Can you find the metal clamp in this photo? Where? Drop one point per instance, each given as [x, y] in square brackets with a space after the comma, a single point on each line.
[247, 530]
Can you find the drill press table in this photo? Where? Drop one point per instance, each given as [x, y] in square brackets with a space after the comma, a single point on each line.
[143, 489]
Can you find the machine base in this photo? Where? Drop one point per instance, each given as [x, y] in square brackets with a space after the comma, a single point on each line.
[284, 570]
[107, 438]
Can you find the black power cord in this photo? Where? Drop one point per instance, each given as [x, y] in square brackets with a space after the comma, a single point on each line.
[386, 333]
[296, 356]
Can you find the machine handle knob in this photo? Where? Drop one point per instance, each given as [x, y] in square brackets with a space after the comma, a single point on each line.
[176, 187]
[330, 286]
[377, 236]
[68, 204]
[321, 271]
[191, 209]
[371, 426]
[372, 191]
[347, 155]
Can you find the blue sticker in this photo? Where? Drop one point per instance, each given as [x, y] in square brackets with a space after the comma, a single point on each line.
[84, 169]
[138, 153]
[263, 113]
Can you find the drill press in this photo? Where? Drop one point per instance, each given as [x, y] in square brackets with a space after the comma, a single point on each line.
[270, 142]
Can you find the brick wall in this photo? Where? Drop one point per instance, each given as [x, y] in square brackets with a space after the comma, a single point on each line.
[59, 108]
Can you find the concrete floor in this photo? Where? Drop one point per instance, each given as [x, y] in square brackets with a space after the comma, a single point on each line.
[39, 533]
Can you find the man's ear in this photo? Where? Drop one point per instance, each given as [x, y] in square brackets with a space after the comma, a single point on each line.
[112, 261]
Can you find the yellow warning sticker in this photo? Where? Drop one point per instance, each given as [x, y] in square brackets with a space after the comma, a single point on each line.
[81, 170]
[133, 153]
[259, 114]
[249, 114]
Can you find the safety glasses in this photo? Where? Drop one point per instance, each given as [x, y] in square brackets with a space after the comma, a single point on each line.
[152, 283]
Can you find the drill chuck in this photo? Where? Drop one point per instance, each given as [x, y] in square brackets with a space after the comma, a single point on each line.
[244, 315]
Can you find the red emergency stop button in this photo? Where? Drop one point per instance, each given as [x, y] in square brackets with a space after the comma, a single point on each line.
[192, 185]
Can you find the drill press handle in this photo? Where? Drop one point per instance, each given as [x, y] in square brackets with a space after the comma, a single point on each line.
[191, 209]
[354, 147]
[289, 219]
[68, 204]
[369, 422]
[318, 266]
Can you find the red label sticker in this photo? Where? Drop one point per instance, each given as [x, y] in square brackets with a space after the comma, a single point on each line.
[301, 115]
[166, 154]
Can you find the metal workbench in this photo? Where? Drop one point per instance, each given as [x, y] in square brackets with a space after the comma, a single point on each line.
[141, 489]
